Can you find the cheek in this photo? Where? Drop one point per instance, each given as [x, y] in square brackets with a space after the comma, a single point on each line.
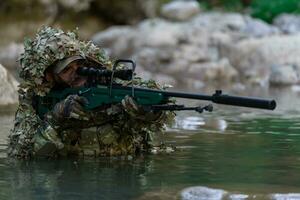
[65, 77]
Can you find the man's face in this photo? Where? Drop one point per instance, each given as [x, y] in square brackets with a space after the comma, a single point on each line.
[70, 77]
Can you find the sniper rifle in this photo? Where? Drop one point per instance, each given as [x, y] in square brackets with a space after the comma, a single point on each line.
[151, 99]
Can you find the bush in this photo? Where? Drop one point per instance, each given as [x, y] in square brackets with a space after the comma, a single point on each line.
[267, 10]
[231, 5]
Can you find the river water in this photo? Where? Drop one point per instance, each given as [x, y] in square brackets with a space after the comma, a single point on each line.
[246, 153]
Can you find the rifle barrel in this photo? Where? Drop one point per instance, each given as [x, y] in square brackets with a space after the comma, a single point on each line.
[251, 102]
[220, 98]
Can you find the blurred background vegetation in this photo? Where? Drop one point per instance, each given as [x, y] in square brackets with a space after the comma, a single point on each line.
[266, 10]
[19, 18]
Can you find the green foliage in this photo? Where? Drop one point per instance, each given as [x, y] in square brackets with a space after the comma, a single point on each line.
[267, 10]
[229, 5]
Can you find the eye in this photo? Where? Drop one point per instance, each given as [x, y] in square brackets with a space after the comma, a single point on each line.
[64, 70]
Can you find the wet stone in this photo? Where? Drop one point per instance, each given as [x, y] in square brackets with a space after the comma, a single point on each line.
[202, 193]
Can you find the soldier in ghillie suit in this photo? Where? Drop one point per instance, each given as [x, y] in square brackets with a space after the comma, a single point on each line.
[51, 61]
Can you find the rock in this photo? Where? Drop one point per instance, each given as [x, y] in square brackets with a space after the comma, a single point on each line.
[8, 88]
[238, 196]
[150, 7]
[76, 5]
[10, 54]
[180, 10]
[288, 23]
[152, 59]
[259, 28]
[176, 68]
[216, 21]
[284, 75]
[118, 39]
[158, 33]
[202, 193]
[219, 38]
[253, 58]
[292, 196]
[192, 83]
[193, 53]
[213, 71]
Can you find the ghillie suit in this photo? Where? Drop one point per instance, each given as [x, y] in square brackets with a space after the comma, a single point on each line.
[119, 129]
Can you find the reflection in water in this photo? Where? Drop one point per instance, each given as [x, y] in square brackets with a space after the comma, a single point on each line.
[61, 179]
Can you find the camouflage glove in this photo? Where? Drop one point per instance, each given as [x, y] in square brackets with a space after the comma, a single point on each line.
[70, 108]
[136, 111]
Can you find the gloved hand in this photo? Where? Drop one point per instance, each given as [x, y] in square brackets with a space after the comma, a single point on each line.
[69, 108]
[136, 111]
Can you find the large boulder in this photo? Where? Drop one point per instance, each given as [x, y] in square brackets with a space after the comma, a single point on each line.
[180, 10]
[288, 23]
[8, 88]
[10, 54]
[217, 21]
[253, 58]
[284, 75]
[118, 41]
[158, 33]
[153, 59]
[258, 28]
[213, 71]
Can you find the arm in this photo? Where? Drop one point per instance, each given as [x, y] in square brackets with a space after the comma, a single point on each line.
[29, 133]
[33, 136]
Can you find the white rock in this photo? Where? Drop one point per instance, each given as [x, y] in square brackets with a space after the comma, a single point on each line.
[212, 46]
[118, 39]
[180, 10]
[177, 68]
[158, 33]
[212, 71]
[288, 196]
[283, 75]
[10, 54]
[216, 21]
[253, 58]
[238, 196]
[152, 58]
[193, 53]
[202, 193]
[8, 88]
[288, 23]
[259, 28]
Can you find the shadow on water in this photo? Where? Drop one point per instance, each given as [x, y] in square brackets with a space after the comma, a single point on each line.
[242, 151]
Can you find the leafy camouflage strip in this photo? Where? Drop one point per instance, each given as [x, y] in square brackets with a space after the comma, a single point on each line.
[121, 129]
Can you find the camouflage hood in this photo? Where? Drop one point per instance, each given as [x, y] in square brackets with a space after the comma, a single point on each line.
[49, 46]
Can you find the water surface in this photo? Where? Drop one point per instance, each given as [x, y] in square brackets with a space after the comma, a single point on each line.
[242, 151]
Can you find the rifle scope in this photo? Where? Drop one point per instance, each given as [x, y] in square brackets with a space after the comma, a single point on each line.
[124, 74]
